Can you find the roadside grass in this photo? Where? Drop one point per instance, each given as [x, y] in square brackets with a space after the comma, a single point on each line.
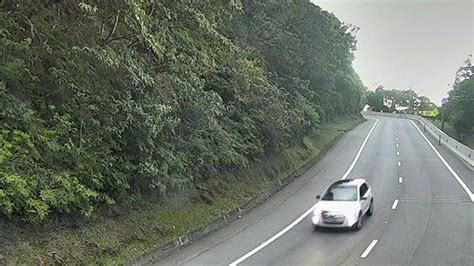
[448, 129]
[137, 228]
[469, 141]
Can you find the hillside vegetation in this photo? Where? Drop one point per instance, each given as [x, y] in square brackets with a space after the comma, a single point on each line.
[105, 102]
[131, 230]
[460, 108]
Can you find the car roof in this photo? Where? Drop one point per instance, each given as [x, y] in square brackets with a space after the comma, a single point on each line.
[349, 182]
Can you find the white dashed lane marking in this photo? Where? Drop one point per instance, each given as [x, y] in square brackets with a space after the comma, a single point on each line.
[369, 248]
[395, 204]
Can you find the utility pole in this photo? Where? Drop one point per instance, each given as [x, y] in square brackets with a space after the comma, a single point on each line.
[442, 119]
[444, 102]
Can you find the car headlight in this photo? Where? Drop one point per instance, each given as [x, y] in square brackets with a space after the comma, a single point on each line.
[317, 211]
[316, 215]
[352, 217]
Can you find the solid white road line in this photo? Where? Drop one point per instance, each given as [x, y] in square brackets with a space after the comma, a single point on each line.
[369, 248]
[346, 174]
[400, 180]
[463, 185]
[399, 164]
[306, 213]
[395, 204]
[273, 238]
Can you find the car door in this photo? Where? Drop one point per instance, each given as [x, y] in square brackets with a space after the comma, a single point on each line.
[365, 203]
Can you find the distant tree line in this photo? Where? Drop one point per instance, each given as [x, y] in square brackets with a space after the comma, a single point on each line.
[459, 111]
[106, 101]
[395, 100]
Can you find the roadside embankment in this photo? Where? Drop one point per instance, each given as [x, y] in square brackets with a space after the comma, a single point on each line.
[467, 139]
[148, 231]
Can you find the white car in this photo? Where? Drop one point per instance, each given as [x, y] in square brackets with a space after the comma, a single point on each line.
[344, 204]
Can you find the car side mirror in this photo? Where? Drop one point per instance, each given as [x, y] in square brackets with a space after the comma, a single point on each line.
[318, 197]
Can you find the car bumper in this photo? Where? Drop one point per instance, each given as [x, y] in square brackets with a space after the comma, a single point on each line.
[347, 222]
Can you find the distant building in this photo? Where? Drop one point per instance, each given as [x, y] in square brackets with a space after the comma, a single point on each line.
[401, 109]
[367, 108]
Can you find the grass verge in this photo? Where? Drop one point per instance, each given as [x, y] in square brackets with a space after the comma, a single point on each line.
[467, 140]
[119, 238]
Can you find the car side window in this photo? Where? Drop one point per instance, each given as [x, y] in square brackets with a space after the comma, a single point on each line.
[363, 189]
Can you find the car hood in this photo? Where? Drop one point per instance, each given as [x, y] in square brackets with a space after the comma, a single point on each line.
[338, 206]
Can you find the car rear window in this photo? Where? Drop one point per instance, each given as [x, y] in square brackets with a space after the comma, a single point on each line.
[341, 193]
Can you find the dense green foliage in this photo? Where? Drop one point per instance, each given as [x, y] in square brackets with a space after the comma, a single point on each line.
[460, 109]
[135, 229]
[103, 101]
[307, 51]
[394, 100]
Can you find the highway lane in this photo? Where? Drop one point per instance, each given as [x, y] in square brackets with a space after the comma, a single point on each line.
[267, 219]
[301, 246]
[432, 223]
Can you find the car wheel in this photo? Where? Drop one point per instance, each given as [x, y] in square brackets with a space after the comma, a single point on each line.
[358, 225]
[370, 212]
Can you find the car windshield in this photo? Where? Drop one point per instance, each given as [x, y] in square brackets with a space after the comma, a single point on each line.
[341, 193]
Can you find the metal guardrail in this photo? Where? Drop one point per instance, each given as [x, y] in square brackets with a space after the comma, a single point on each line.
[461, 150]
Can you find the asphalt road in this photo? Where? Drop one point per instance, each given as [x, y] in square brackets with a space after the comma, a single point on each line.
[432, 223]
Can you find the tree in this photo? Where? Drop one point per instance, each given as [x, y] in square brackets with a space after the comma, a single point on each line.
[103, 101]
[460, 110]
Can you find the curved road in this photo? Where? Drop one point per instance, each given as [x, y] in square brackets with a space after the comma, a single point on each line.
[431, 223]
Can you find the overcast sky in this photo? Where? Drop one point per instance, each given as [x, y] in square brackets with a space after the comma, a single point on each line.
[417, 44]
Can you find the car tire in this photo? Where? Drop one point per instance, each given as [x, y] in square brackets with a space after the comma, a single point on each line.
[370, 212]
[359, 222]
